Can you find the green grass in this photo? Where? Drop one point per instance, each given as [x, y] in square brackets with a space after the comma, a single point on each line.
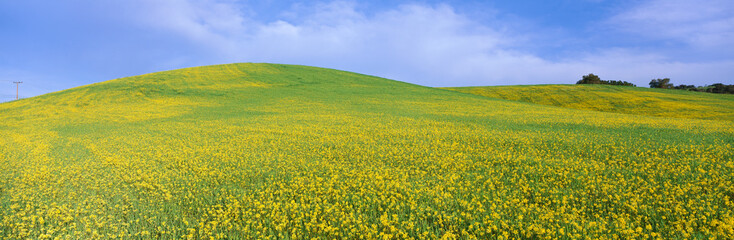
[620, 99]
[256, 151]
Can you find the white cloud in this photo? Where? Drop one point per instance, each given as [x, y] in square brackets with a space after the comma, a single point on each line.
[432, 45]
[422, 44]
[706, 25]
[217, 24]
[436, 46]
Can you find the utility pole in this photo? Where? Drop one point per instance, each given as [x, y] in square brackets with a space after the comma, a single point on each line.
[17, 84]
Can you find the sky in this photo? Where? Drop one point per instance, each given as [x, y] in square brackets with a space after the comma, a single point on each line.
[55, 45]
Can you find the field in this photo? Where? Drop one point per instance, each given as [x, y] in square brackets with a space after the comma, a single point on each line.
[628, 100]
[266, 151]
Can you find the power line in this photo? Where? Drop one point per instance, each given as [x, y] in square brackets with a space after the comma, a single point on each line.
[17, 86]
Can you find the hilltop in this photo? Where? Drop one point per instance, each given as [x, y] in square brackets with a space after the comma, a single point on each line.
[253, 151]
[619, 99]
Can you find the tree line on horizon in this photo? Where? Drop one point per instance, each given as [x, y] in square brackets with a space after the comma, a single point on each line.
[663, 83]
[594, 79]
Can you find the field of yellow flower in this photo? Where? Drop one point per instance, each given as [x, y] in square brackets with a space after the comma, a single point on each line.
[628, 100]
[266, 151]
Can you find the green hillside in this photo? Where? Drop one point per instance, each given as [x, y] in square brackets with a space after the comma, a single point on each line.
[630, 100]
[267, 151]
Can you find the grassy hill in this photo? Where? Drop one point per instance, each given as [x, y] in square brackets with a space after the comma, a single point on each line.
[292, 152]
[629, 100]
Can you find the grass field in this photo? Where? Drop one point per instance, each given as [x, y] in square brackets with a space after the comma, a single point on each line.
[265, 151]
[629, 100]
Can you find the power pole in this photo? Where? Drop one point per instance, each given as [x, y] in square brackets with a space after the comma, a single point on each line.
[17, 84]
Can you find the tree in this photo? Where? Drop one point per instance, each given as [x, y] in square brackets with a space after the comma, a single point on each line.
[589, 79]
[617, 83]
[661, 83]
[721, 88]
[686, 87]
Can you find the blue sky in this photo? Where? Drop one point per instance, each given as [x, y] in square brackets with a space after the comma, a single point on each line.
[54, 45]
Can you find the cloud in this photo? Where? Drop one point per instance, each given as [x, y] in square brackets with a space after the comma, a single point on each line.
[433, 45]
[705, 25]
[430, 45]
[688, 41]
[436, 46]
[216, 24]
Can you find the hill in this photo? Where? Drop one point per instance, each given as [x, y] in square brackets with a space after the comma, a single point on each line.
[253, 151]
[629, 100]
